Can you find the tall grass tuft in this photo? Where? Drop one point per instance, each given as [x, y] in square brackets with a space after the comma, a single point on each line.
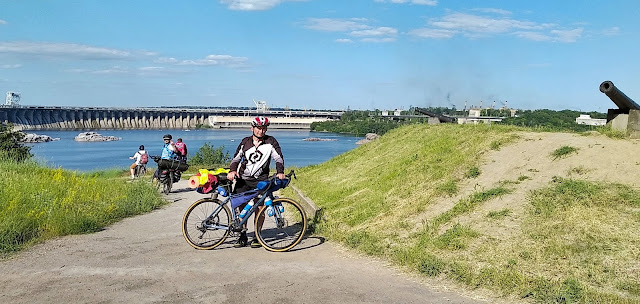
[40, 203]
[563, 151]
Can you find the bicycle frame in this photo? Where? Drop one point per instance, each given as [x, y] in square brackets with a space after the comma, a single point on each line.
[260, 202]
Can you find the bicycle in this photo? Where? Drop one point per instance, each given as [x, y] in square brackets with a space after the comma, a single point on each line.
[165, 177]
[166, 180]
[140, 170]
[208, 222]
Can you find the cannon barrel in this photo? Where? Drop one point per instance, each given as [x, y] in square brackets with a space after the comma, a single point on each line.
[620, 99]
[442, 118]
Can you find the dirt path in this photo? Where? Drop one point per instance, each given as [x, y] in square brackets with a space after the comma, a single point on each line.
[145, 259]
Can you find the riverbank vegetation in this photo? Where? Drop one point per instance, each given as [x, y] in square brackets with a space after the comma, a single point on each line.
[208, 157]
[40, 203]
[360, 123]
[11, 146]
[401, 198]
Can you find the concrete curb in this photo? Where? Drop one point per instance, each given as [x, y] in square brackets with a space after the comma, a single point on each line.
[314, 213]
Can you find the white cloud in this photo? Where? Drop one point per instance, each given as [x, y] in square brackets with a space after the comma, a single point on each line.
[113, 70]
[477, 26]
[166, 60]
[381, 31]
[498, 11]
[432, 33]
[10, 66]
[612, 31]
[535, 36]
[66, 50]
[480, 24]
[567, 35]
[336, 25]
[379, 40]
[417, 2]
[151, 68]
[77, 70]
[425, 2]
[155, 71]
[355, 27]
[254, 5]
[3, 22]
[217, 60]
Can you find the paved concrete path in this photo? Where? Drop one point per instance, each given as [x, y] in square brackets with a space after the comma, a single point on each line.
[145, 259]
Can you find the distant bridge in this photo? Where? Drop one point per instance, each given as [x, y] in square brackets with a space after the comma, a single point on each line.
[76, 118]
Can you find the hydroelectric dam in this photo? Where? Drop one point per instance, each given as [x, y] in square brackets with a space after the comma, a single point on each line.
[96, 118]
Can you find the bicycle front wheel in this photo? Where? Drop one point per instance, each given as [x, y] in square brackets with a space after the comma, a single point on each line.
[285, 228]
[204, 229]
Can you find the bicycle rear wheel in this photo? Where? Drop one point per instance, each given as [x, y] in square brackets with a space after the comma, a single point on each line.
[198, 221]
[283, 230]
[141, 170]
[166, 186]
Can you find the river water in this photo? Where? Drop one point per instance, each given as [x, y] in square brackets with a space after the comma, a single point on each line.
[91, 156]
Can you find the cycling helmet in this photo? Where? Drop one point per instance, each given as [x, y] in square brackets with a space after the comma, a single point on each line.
[260, 121]
[141, 147]
[167, 136]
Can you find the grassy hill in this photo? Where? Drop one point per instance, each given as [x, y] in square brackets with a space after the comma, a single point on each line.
[546, 217]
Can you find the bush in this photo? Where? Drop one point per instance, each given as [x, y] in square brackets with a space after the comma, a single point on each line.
[11, 146]
[208, 156]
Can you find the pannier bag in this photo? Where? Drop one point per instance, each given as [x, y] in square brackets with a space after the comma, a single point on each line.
[176, 176]
[172, 164]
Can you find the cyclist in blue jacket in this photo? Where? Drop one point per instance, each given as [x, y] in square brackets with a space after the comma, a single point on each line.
[169, 149]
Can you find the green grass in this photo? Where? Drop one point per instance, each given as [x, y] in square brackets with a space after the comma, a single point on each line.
[563, 152]
[498, 214]
[577, 240]
[472, 173]
[40, 203]
[579, 170]
[611, 133]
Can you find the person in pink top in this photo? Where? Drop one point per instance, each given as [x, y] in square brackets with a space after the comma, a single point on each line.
[182, 149]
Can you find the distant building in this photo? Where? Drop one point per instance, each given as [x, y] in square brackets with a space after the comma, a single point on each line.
[13, 99]
[475, 112]
[395, 112]
[475, 117]
[586, 119]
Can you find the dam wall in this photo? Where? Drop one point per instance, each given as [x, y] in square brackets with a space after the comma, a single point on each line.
[79, 118]
[223, 122]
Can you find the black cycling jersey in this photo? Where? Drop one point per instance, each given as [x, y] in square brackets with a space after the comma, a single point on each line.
[252, 162]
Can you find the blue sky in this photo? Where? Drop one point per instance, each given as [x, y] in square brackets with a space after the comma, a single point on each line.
[320, 54]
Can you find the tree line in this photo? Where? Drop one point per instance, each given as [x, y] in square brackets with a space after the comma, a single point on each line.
[361, 122]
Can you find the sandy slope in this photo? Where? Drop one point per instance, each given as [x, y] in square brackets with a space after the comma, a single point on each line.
[598, 158]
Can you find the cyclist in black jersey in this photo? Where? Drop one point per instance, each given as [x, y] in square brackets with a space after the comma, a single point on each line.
[250, 165]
